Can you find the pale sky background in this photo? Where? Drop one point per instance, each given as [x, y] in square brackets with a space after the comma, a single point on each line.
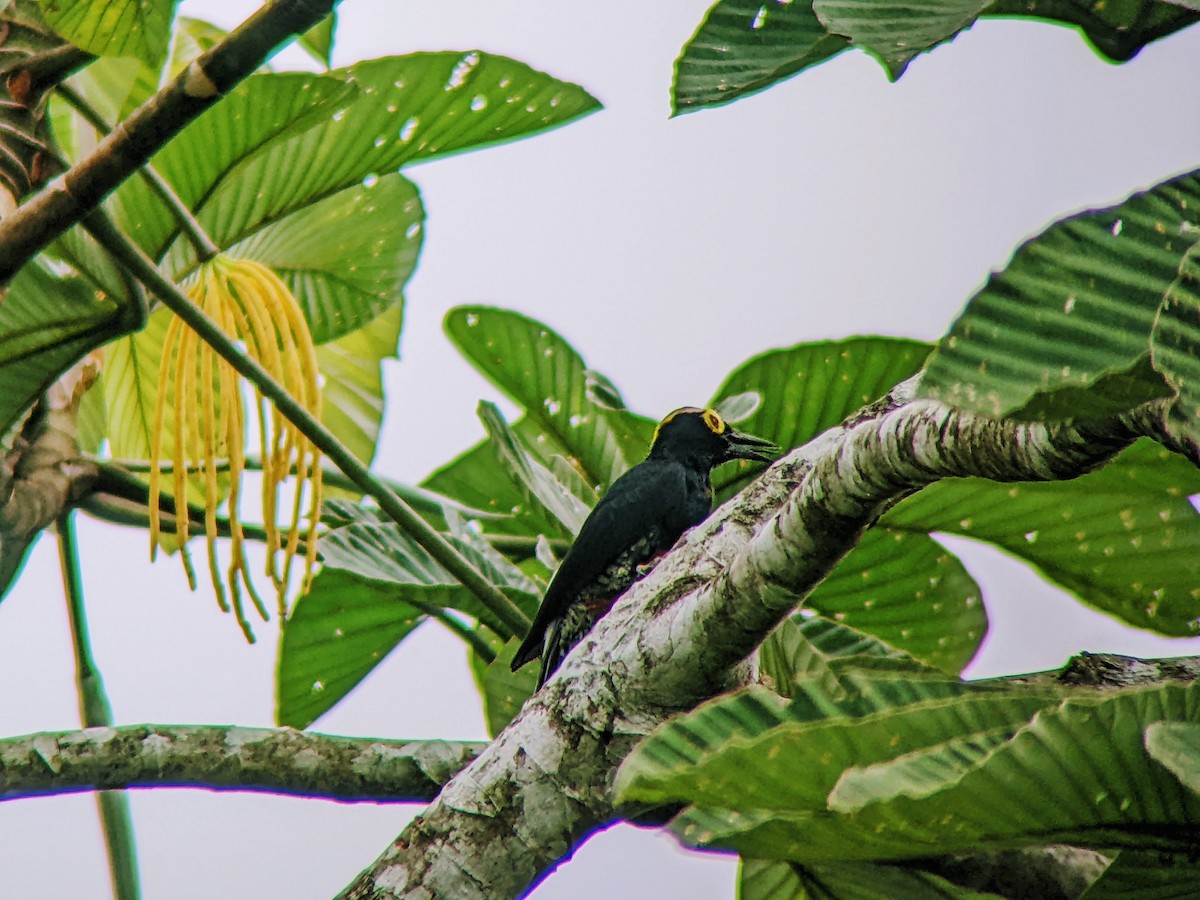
[835, 204]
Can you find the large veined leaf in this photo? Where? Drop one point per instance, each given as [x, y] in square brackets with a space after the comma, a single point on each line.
[352, 390]
[376, 585]
[802, 646]
[1175, 347]
[1146, 876]
[539, 370]
[1064, 331]
[258, 112]
[537, 481]
[477, 479]
[897, 32]
[776, 880]
[1124, 539]
[131, 388]
[48, 320]
[1076, 773]
[138, 28]
[743, 46]
[504, 691]
[809, 388]
[1174, 744]
[337, 633]
[911, 593]
[346, 257]
[406, 109]
[694, 757]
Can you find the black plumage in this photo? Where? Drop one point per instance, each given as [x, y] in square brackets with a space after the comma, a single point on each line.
[638, 519]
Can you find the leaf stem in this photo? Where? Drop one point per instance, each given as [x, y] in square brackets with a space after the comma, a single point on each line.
[94, 711]
[404, 515]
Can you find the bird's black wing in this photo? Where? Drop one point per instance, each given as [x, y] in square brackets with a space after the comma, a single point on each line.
[644, 498]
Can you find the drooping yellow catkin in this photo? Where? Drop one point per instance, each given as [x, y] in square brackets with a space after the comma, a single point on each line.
[208, 420]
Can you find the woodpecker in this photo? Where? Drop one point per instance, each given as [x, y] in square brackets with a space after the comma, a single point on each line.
[640, 517]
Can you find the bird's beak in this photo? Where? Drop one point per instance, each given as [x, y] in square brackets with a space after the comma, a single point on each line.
[747, 446]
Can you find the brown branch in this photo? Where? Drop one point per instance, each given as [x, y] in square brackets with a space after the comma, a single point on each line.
[201, 84]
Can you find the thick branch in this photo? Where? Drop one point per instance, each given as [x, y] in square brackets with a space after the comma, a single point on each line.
[282, 761]
[671, 641]
[67, 200]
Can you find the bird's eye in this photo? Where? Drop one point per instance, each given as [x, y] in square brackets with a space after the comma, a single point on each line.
[714, 422]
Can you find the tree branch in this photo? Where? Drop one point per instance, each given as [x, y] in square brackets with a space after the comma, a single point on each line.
[67, 200]
[282, 761]
[676, 637]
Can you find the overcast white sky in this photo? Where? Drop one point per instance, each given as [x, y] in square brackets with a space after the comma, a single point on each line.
[833, 205]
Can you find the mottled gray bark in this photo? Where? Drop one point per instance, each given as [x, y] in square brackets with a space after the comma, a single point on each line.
[282, 761]
[678, 636]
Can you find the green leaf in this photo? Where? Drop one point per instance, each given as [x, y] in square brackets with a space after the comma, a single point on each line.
[131, 388]
[744, 46]
[695, 758]
[337, 633]
[476, 479]
[346, 258]
[1124, 539]
[802, 647]
[1116, 31]
[504, 691]
[138, 28]
[352, 390]
[897, 32]
[1147, 876]
[1177, 746]
[811, 387]
[773, 880]
[911, 593]
[540, 371]
[406, 109]
[1076, 773]
[1174, 347]
[538, 482]
[208, 156]
[318, 40]
[48, 321]
[1064, 331]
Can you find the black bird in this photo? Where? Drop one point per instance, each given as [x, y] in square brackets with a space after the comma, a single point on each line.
[638, 519]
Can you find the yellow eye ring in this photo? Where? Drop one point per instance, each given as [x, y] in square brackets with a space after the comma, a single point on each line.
[714, 422]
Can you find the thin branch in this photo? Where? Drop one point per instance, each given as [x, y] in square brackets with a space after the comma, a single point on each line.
[206, 247]
[281, 761]
[438, 547]
[95, 710]
[679, 635]
[67, 200]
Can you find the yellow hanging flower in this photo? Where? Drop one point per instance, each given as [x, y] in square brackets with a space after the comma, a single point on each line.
[254, 307]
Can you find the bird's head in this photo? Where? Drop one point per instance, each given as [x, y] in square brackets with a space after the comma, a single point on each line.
[703, 436]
